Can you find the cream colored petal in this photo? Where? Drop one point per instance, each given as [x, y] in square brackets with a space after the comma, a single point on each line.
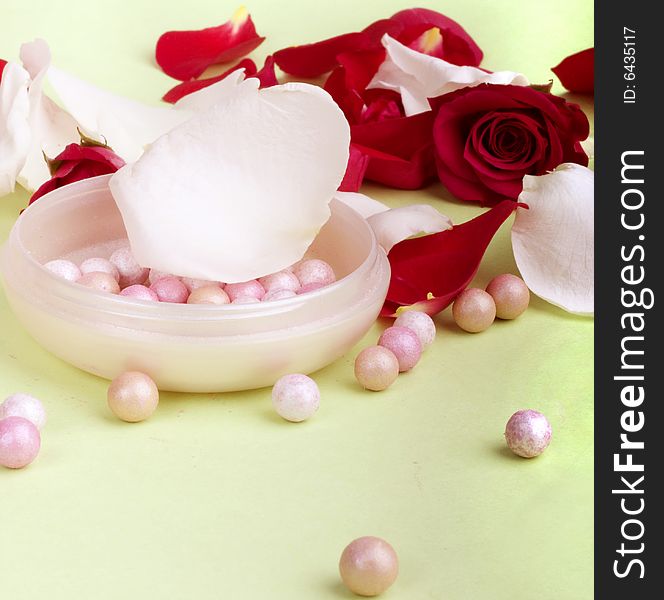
[14, 125]
[362, 204]
[397, 224]
[417, 76]
[241, 189]
[554, 241]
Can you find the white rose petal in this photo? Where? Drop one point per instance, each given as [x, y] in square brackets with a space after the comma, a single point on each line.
[553, 240]
[417, 76]
[248, 181]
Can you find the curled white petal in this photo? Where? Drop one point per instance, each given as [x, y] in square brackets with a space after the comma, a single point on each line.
[553, 240]
[397, 224]
[239, 190]
[14, 126]
[362, 204]
[417, 76]
[51, 127]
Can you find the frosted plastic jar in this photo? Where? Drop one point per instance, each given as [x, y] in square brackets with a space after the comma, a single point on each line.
[194, 348]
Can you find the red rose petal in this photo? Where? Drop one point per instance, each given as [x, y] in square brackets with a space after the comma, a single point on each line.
[357, 167]
[186, 54]
[266, 74]
[2, 67]
[312, 60]
[78, 162]
[432, 270]
[576, 72]
[188, 87]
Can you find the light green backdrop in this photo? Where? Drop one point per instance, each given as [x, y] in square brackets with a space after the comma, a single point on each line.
[216, 498]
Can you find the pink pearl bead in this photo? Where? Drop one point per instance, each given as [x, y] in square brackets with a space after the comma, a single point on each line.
[510, 294]
[155, 275]
[310, 287]
[376, 368]
[64, 268]
[474, 310]
[210, 294]
[295, 397]
[528, 433]
[131, 273]
[19, 442]
[26, 406]
[405, 345]
[314, 270]
[368, 566]
[170, 289]
[194, 284]
[246, 300]
[282, 280]
[99, 265]
[278, 295]
[140, 292]
[133, 396]
[246, 288]
[103, 282]
[420, 323]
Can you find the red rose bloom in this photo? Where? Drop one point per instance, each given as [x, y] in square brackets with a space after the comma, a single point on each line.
[488, 137]
[76, 162]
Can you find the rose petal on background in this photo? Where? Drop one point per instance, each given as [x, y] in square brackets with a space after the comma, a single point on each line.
[355, 170]
[432, 270]
[15, 134]
[416, 76]
[361, 203]
[127, 125]
[3, 64]
[553, 241]
[397, 224]
[576, 72]
[187, 87]
[248, 179]
[457, 47]
[186, 54]
[208, 96]
[312, 60]
[52, 128]
[266, 74]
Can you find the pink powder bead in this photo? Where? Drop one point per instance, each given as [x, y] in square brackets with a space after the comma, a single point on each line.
[209, 294]
[194, 284]
[278, 295]
[131, 273]
[99, 265]
[245, 300]
[310, 287]
[420, 323]
[19, 442]
[376, 368]
[246, 288]
[133, 396]
[295, 397]
[64, 268]
[314, 270]
[282, 280]
[26, 406]
[528, 433]
[103, 282]
[156, 275]
[405, 345]
[140, 292]
[368, 566]
[170, 289]
[511, 295]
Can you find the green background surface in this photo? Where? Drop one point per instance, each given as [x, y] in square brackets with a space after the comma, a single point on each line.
[215, 497]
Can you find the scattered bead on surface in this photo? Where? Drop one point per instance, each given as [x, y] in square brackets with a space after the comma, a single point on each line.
[376, 368]
[420, 323]
[511, 295]
[295, 397]
[528, 433]
[133, 396]
[368, 566]
[405, 345]
[474, 310]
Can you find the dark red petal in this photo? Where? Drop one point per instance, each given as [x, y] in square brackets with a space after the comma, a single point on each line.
[187, 87]
[266, 74]
[186, 54]
[312, 60]
[77, 153]
[457, 45]
[576, 72]
[431, 271]
[2, 67]
[357, 167]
